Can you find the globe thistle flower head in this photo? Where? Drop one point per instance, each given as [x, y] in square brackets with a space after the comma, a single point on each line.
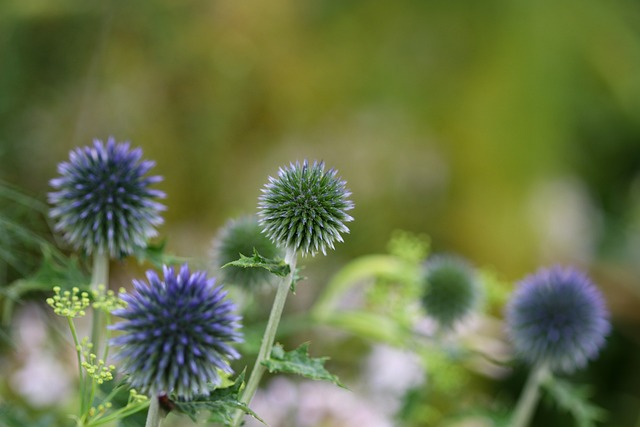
[451, 290]
[557, 316]
[305, 208]
[103, 203]
[177, 333]
[243, 236]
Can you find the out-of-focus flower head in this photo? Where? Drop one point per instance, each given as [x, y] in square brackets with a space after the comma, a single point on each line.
[243, 236]
[451, 290]
[557, 316]
[103, 202]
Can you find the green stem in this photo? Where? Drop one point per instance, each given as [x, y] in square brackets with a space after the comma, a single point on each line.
[269, 334]
[530, 396]
[81, 378]
[107, 322]
[131, 408]
[153, 416]
[352, 275]
[100, 273]
[120, 414]
[99, 276]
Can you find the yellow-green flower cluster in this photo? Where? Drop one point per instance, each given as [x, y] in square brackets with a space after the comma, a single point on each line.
[100, 409]
[69, 303]
[99, 371]
[107, 300]
[135, 397]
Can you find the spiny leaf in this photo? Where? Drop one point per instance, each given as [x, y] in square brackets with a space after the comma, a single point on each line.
[574, 399]
[275, 266]
[222, 404]
[298, 362]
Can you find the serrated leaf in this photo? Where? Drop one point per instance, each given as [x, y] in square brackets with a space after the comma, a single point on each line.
[222, 404]
[275, 266]
[574, 399]
[298, 362]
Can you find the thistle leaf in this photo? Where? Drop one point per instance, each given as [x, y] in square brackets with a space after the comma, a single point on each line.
[298, 362]
[574, 399]
[221, 403]
[275, 266]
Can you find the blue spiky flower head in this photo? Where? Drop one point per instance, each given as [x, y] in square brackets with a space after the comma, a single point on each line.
[557, 316]
[242, 236]
[451, 290]
[177, 333]
[103, 203]
[305, 208]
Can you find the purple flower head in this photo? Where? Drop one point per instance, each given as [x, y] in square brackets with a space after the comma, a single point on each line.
[451, 290]
[557, 316]
[305, 208]
[103, 202]
[177, 333]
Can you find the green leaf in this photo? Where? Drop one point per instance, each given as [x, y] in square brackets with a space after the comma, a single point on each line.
[55, 269]
[574, 399]
[222, 404]
[275, 266]
[298, 362]
[154, 254]
[370, 326]
[12, 416]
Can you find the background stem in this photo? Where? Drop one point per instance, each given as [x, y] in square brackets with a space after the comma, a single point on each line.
[530, 395]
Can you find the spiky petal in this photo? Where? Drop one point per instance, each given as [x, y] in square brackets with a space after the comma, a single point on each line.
[177, 333]
[557, 316]
[103, 203]
[305, 208]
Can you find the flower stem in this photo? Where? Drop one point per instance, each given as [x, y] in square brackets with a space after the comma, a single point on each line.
[530, 395]
[153, 416]
[269, 334]
[99, 276]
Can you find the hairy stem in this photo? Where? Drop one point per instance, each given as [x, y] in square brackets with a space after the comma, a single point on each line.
[530, 396]
[269, 334]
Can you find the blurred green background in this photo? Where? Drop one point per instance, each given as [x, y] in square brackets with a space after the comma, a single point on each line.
[509, 131]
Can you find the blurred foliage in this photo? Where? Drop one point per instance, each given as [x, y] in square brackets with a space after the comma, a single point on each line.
[573, 399]
[22, 232]
[442, 117]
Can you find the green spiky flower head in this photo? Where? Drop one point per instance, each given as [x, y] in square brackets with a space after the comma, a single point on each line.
[243, 236]
[305, 208]
[451, 290]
